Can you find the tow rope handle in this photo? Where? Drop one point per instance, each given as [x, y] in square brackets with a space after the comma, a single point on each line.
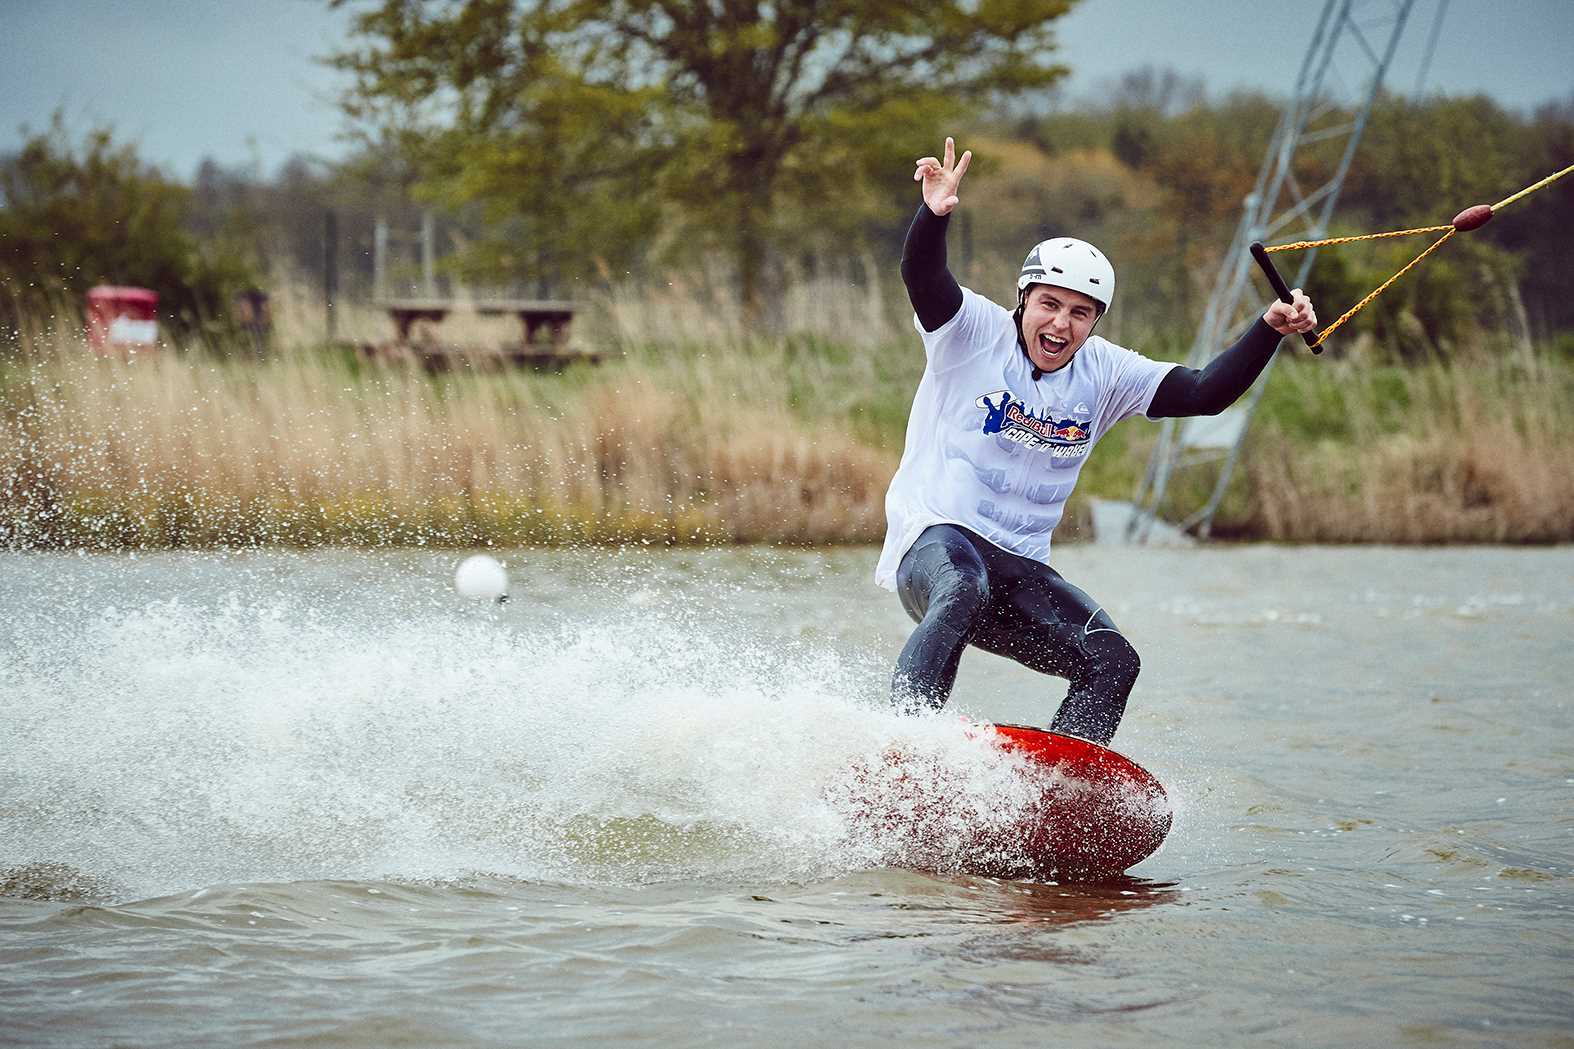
[1281, 289]
[1471, 218]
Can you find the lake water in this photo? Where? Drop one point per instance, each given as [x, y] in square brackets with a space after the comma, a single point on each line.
[281, 799]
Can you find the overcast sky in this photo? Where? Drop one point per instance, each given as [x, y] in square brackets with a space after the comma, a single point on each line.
[238, 81]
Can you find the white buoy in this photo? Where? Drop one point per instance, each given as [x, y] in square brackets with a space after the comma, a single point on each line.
[481, 576]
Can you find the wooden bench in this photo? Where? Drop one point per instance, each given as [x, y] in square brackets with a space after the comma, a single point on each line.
[545, 322]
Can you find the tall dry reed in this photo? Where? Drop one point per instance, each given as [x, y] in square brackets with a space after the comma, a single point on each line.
[666, 442]
[703, 426]
[1479, 449]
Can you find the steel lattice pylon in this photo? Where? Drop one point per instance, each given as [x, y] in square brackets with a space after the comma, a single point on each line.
[1278, 207]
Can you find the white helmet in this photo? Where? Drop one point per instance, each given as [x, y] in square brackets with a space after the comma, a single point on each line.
[1069, 263]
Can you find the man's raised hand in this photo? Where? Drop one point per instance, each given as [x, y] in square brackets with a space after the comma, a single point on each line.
[942, 179]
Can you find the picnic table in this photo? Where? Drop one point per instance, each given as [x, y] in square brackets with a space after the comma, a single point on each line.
[552, 315]
[545, 323]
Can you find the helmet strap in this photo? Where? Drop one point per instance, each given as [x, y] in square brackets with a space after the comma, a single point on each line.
[1038, 373]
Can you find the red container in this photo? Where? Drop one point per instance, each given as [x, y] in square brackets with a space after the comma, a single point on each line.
[121, 318]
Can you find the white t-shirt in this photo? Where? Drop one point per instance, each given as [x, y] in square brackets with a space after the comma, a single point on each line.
[990, 449]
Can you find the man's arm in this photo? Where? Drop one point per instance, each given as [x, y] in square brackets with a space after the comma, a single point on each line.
[1187, 391]
[931, 289]
[934, 293]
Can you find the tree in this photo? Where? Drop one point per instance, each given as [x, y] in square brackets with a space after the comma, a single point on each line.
[585, 126]
[75, 215]
[1543, 221]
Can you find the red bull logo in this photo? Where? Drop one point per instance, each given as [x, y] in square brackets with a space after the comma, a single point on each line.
[1006, 415]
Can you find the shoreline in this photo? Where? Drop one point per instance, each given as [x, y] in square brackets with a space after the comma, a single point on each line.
[156, 535]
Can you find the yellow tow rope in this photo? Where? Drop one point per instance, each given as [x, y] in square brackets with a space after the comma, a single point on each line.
[1467, 220]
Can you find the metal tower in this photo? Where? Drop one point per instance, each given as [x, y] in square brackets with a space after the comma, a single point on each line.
[1354, 41]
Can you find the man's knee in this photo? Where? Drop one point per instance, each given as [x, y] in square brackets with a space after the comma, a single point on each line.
[1111, 657]
[959, 590]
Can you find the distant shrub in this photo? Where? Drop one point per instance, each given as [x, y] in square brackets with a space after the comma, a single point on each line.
[76, 214]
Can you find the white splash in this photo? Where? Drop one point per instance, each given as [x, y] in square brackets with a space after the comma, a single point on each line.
[171, 746]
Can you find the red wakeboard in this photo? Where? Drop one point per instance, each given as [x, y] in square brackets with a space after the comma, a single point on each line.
[1100, 814]
[1088, 812]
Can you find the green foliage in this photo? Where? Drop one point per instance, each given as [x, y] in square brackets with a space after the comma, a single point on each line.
[80, 214]
[584, 128]
[1311, 401]
[1538, 228]
[868, 391]
[1177, 166]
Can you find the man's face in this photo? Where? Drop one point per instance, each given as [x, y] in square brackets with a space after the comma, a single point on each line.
[1055, 324]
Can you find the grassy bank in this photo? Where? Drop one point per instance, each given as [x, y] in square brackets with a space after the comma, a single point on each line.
[703, 430]
[697, 431]
[1479, 449]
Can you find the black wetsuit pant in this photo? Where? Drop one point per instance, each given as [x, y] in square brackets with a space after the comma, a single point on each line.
[963, 590]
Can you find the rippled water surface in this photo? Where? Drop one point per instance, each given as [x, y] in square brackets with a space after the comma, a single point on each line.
[319, 799]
